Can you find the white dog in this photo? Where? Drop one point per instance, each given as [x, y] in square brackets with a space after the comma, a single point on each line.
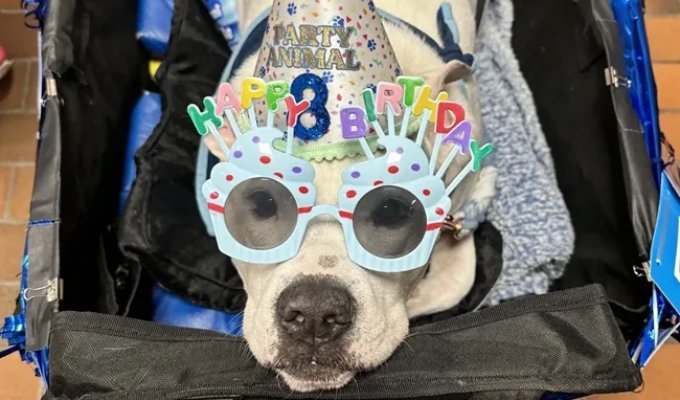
[359, 316]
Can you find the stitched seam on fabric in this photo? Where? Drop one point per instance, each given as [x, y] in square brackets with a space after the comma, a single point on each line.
[509, 315]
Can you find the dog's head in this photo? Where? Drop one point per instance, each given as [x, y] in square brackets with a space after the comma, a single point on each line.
[319, 318]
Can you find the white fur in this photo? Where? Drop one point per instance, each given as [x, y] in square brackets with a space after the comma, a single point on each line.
[384, 301]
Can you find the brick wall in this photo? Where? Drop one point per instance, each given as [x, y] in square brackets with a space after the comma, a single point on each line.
[663, 30]
[18, 126]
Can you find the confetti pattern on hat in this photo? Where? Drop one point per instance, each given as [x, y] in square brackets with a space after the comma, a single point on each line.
[256, 155]
[330, 51]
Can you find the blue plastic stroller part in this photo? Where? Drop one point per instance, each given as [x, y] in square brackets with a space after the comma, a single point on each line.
[154, 21]
[170, 309]
[665, 255]
[642, 89]
[665, 273]
[225, 14]
[13, 330]
[145, 116]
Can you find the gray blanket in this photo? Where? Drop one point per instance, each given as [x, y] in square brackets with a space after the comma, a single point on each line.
[528, 209]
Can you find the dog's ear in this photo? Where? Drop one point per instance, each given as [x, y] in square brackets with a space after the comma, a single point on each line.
[452, 267]
[442, 76]
[456, 79]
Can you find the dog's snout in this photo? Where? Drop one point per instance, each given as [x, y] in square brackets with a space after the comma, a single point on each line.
[315, 310]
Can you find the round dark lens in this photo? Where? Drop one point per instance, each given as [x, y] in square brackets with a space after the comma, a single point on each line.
[260, 213]
[390, 222]
[264, 204]
[391, 212]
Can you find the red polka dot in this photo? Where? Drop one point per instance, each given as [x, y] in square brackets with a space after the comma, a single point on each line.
[214, 195]
[280, 175]
[393, 169]
[230, 177]
[439, 211]
[265, 159]
[378, 182]
[426, 192]
[351, 194]
[303, 189]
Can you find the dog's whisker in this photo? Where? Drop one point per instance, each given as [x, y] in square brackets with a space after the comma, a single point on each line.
[405, 342]
[245, 351]
[280, 386]
[356, 384]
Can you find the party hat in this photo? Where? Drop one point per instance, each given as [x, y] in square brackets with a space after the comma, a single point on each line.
[331, 50]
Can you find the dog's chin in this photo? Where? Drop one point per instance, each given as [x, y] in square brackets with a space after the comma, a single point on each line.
[315, 379]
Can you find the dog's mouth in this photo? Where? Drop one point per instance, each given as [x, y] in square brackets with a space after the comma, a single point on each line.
[312, 373]
[315, 377]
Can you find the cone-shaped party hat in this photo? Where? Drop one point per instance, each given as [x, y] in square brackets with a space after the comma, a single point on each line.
[330, 51]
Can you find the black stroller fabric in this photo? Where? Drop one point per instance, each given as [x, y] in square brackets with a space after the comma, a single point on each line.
[100, 84]
[96, 356]
[162, 231]
[89, 92]
[576, 111]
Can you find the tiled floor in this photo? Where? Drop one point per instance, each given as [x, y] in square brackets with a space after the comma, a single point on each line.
[18, 122]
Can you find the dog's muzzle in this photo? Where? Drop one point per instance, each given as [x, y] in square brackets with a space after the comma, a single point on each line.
[315, 311]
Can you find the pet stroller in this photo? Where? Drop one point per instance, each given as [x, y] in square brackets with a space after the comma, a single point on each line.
[84, 315]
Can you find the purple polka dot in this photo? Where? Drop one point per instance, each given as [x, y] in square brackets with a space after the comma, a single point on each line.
[415, 167]
[400, 150]
[356, 174]
[238, 154]
[297, 170]
[256, 139]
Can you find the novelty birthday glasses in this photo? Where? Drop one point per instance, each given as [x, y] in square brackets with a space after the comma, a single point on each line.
[391, 206]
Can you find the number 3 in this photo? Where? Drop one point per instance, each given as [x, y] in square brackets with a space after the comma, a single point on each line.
[317, 106]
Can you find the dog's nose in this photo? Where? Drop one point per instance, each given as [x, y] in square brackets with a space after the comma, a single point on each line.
[315, 310]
